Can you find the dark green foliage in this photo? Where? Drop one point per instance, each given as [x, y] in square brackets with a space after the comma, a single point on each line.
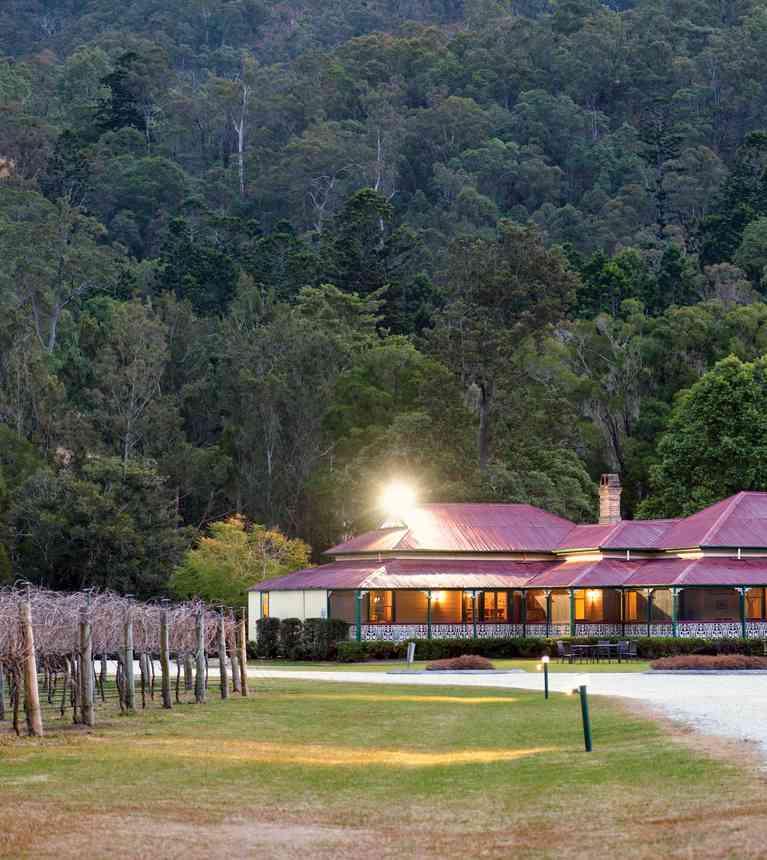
[322, 637]
[196, 271]
[648, 648]
[268, 638]
[376, 649]
[104, 525]
[291, 644]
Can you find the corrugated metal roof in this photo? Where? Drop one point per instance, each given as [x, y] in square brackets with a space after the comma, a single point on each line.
[638, 534]
[466, 528]
[378, 540]
[738, 521]
[498, 574]
[409, 573]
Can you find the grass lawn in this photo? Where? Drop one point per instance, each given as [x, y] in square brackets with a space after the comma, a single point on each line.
[527, 665]
[306, 769]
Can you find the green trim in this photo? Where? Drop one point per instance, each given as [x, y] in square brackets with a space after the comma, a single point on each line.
[742, 602]
[548, 612]
[428, 614]
[474, 598]
[523, 611]
[358, 614]
[623, 611]
[572, 612]
[674, 611]
[649, 609]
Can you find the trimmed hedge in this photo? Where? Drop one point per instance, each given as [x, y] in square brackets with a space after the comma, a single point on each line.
[291, 634]
[520, 648]
[268, 642]
[293, 639]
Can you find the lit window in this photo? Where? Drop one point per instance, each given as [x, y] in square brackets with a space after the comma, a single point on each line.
[381, 607]
[264, 604]
[495, 606]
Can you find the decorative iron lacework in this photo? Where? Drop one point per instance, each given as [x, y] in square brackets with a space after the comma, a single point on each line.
[685, 629]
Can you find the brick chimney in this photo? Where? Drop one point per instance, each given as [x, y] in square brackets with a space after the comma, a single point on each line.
[609, 499]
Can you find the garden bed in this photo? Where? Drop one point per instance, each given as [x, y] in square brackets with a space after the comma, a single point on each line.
[710, 663]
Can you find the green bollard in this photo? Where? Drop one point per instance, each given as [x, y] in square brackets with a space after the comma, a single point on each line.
[585, 715]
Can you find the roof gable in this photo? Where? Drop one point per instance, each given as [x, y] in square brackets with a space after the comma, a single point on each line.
[738, 521]
[465, 528]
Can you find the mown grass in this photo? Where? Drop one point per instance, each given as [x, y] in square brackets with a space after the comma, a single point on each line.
[303, 768]
[525, 665]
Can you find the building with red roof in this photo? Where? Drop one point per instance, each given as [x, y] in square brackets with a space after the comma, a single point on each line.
[468, 570]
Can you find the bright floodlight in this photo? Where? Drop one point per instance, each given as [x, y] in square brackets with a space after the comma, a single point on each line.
[397, 499]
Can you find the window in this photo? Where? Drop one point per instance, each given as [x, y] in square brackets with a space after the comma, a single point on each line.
[495, 607]
[264, 604]
[411, 607]
[755, 604]
[381, 607]
[342, 606]
[536, 606]
[446, 607]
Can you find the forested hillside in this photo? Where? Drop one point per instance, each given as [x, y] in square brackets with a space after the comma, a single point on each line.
[261, 257]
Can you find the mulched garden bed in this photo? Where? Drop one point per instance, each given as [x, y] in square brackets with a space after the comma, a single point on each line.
[465, 661]
[719, 662]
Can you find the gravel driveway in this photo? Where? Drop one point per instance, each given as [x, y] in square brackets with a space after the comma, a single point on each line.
[726, 705]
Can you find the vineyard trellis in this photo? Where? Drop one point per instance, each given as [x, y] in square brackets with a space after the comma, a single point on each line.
[71, 652]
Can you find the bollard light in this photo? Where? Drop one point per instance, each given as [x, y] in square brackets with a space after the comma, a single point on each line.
[545, 660]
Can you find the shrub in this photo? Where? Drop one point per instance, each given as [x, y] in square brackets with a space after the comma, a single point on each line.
[321, 637]
[268, 631]
[465, 661]
[291, 638]
[710, 662]
[535, 647]
[378, 649]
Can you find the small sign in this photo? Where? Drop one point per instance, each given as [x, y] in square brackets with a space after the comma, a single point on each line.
[410, 652]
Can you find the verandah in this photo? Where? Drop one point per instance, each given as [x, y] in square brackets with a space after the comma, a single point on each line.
[726, 610]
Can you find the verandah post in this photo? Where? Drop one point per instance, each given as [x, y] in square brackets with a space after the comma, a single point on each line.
[548, 611]
[623, 611]
[428, 614]
[523, 612]
[474, 597]
[649, 610]
[572, 612]
[358, 615]
[742, 601]
[674, 610]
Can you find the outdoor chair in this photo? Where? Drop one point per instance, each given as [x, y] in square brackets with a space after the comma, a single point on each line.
[564, 652]
[632, 652]
[603, 649]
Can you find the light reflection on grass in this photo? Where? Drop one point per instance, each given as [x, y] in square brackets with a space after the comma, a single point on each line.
[383, 697]
[333, 756]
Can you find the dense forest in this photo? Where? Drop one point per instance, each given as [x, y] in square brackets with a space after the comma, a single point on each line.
[257, 258]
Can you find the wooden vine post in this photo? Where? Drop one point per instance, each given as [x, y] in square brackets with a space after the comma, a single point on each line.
[165, 659]
[222, 657]
[31, 693]
[130, 679]
[199, 677]
[86, 673]
[2, 692]
[243, 655]
[234, 659]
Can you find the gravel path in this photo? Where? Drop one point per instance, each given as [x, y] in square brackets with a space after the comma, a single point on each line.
[726, 705]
